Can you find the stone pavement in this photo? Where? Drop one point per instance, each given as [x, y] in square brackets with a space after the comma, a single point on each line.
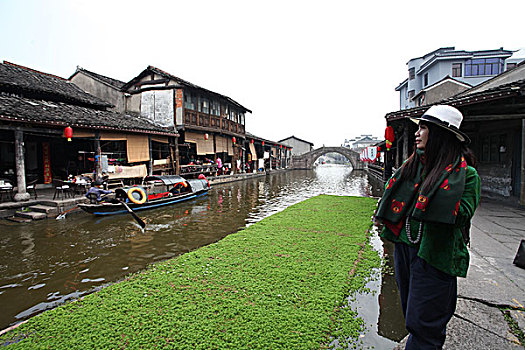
[493, 281]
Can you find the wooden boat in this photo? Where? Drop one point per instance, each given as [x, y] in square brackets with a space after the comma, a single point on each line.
[155, 191]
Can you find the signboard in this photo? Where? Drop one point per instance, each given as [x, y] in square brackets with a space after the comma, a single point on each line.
[46, 155]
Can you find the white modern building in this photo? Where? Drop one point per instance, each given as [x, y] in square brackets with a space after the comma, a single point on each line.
[360, 142]
[458, 68]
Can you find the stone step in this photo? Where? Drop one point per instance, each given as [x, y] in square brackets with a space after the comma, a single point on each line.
[33, 215]
[44, 209]
[48, 209]
[18, 219]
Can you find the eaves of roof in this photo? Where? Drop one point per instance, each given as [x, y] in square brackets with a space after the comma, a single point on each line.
[181, 82]
[444, 80]
[516, 88]
[266, 141]
[113, 83]
[298, 139]
[400, 86]
[23, 110]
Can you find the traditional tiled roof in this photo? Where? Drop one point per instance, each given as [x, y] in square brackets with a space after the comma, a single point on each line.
[117, 84]
[513, 89]
[250, 136]
[28, 82]
[181, 83]
[298, 139]
[24, 110]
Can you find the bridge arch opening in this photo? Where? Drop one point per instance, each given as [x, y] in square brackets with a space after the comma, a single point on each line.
[306, 161]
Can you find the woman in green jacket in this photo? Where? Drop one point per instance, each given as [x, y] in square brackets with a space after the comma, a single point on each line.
[426, 211]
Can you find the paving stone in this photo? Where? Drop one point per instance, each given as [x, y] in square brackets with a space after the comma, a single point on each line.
[479, 326]
[18, 219]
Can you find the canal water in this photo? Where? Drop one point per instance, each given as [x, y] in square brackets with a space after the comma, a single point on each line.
[46, 263]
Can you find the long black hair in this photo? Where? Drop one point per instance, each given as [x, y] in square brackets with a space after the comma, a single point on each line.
[442, 149]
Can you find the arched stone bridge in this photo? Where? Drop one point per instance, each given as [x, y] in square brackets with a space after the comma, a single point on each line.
[307, 160]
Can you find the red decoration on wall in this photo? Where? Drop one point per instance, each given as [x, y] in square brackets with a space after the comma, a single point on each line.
[46, 155]
[68, 132]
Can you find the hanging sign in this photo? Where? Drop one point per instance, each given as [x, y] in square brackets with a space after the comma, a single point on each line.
[371, 153]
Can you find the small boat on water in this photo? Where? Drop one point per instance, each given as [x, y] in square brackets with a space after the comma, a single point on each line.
[155, 191]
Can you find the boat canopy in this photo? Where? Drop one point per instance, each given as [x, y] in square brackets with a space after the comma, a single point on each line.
[166, 179]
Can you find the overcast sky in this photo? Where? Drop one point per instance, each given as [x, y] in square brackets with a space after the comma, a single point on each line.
[323, 71]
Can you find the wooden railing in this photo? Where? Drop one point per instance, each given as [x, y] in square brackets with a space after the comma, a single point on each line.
[211, 121]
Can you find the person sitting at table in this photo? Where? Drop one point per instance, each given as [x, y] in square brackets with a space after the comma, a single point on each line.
[96, 189]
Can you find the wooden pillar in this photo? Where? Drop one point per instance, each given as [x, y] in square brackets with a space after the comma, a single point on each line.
[21, 194]
[234, 157]
[150, 163]
[405, 143]
[98, 151]
[522, 191]
[177, 156]
[243, 150]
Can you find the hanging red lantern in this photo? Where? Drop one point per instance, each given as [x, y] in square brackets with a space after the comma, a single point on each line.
[206, 136]
[280, 146]
[234, 139]
[68, 132]
[263, 143]
[252, 141]
[389, 137]
[378, 149]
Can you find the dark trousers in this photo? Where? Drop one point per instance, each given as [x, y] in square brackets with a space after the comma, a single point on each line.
[428, 298]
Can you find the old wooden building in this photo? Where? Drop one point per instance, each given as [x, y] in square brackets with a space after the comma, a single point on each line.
[36, 109]
[494, 119]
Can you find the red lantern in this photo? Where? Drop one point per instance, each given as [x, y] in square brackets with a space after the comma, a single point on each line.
[206, 136]
[252, 140]
[280, 146]
[263, 143]
[68, 132]
[233, 139]
[389, 137]
[378, 149]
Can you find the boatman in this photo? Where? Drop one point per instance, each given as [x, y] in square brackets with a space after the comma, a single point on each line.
[97, 190]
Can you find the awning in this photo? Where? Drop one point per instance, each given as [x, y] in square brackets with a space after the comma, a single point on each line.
[203, 146]
[224, 144]
[253, 152]
[108, 136]
[161, 139]
[137, 148]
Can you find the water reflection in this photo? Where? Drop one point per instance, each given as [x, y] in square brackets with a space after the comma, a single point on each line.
[46, 263]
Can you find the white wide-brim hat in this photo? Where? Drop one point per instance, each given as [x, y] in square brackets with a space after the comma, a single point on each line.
[446, 117]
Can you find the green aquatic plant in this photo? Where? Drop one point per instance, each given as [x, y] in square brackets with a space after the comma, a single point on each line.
[281, 283]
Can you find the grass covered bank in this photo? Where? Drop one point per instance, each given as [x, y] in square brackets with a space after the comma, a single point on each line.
[281, 283]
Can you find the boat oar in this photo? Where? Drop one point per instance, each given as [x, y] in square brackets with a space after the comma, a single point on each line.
[63, 215]
[135, 216]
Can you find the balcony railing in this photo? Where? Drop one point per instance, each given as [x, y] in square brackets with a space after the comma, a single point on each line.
[211, 121]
